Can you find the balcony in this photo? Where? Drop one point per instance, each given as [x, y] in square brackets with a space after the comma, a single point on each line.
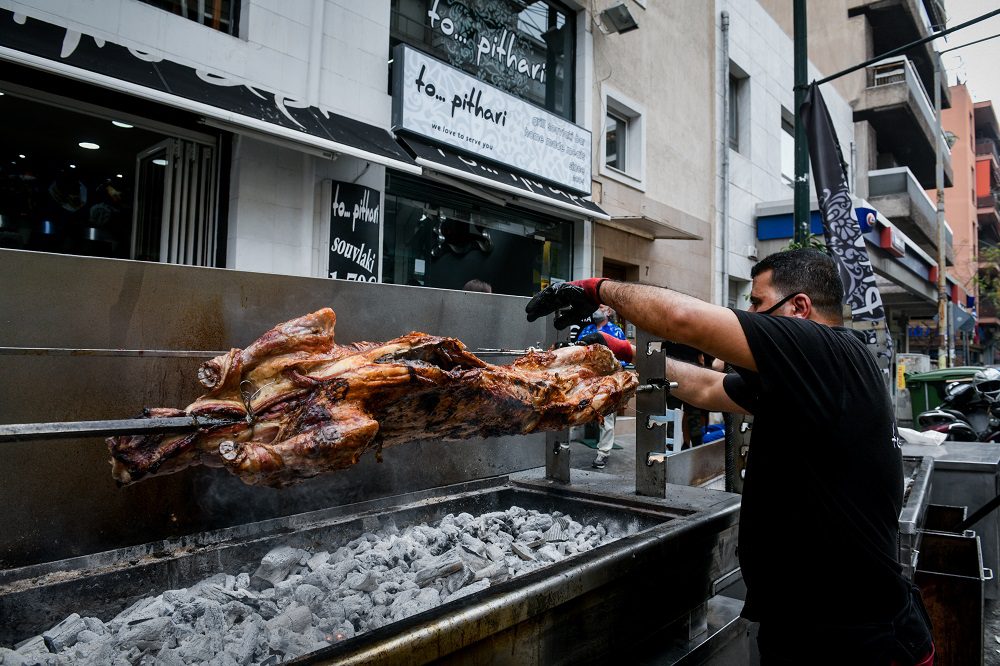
[988, 147]
[895, 23]
[896, 194]
[895, 104]
[988, 218]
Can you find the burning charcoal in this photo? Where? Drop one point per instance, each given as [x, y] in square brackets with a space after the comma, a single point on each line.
[522, 551]
[276, 565]
[531, 536]
[539, 522]
[473, 545]
[295, 618]
[146, 635]
[497, 571]
[458, 580]
[168, 657]
[201, 648]
[287, 587]
[318, 560]
[341, 569]
[242, 582]
[362, 581]
[494, 552]
[250, 643]
[548, 553]
[85, 636]
[33, 645]
[310, 595]
[478, 586]
[95, 625]
[437, 567]
[64, 634]
[333, 611]
[9, 657]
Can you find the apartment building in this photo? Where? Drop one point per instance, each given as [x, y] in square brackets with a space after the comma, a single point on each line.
[986, 191]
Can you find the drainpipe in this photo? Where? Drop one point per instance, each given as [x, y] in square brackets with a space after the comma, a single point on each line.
[315, 53]
[725, 159]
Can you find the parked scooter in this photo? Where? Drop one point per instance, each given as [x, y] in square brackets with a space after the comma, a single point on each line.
[970, 412]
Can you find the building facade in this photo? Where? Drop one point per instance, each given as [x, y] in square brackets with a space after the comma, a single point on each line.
[895, 145]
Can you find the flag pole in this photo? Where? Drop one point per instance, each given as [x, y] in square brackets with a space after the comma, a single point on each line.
[801, 59]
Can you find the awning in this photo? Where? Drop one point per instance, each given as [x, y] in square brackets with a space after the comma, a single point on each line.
[514, 186]
[236, 103]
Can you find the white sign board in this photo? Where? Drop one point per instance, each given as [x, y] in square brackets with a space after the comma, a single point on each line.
[446, 105]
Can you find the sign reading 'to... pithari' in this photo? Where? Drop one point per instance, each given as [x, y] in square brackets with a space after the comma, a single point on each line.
[355, 222]
[444, 104]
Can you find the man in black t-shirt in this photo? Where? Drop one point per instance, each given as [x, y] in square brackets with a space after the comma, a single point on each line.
[823, 487]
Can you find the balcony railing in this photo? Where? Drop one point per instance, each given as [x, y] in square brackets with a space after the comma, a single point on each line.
[987, 147]
[900, 70]
[988, 201]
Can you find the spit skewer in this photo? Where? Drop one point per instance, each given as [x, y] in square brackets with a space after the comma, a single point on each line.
[23, 432]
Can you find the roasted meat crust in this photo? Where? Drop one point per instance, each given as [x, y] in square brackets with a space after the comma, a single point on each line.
[302, 405]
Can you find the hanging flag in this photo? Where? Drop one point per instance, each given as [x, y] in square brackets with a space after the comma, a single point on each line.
[841, 228]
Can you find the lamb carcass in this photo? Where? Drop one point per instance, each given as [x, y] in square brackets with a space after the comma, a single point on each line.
[302, 405]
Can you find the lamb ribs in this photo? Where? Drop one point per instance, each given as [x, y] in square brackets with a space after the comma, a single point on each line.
[303, 405]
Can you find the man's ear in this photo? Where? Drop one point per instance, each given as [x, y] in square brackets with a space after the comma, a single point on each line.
[801, 306]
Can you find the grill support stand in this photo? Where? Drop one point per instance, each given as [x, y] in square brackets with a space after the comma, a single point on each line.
[650, 443]
[557, 456]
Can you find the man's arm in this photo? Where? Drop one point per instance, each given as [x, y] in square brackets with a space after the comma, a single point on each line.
[701, 387]
[679, 318]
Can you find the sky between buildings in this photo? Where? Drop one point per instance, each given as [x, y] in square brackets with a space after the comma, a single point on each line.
[978, 66]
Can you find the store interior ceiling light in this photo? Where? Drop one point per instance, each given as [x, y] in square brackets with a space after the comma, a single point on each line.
[618, 19]
[118, 123]
[160, 162]
[21, 155]
[89, 145]
[72, 166]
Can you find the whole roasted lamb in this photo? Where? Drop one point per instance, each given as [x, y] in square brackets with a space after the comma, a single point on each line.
[302, 405]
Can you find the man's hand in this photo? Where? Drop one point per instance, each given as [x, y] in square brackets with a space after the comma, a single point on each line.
[622, 349]
[571, 301]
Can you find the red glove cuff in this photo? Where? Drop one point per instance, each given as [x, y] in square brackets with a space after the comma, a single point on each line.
[622, 349]
[591, 288]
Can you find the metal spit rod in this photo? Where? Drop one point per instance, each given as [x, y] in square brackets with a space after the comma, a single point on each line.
[23, 432]
[154, 353]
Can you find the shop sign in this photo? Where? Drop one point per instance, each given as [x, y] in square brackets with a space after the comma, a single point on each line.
[355, 224]
[446, 105]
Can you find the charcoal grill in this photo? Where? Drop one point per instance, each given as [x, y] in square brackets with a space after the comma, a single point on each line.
[70, 541]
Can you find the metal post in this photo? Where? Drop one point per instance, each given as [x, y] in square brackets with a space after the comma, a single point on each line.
[801, 61]
[943, 355]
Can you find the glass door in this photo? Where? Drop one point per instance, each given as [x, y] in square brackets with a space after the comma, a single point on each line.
[175, 204]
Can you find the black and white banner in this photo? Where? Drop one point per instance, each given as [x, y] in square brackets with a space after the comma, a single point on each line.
[840, 226]
[355, 227]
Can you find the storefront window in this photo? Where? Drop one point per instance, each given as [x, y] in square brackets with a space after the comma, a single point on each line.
[75, 183]
[436, 236]
[525, 48]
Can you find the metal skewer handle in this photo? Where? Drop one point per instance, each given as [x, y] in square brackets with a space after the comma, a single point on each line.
[22, 432]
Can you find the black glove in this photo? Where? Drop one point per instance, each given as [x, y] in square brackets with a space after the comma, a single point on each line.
[571, 301]
[594, 338]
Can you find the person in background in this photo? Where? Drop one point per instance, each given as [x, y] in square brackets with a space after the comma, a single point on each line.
[600, 330]
[478, 285]
[813, 388]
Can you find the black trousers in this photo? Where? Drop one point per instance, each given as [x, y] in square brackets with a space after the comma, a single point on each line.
[905, 641]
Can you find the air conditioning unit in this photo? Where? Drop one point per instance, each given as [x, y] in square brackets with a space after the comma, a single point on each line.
[751, 252]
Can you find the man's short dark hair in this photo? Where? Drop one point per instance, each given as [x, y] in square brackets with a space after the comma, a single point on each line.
[478, 285]
[808, 271]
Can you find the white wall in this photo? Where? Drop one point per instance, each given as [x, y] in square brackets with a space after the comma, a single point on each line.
[276, 221]
[759, 46]
[273, 50]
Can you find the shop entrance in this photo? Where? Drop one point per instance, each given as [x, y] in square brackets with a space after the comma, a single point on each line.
[88, 182]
